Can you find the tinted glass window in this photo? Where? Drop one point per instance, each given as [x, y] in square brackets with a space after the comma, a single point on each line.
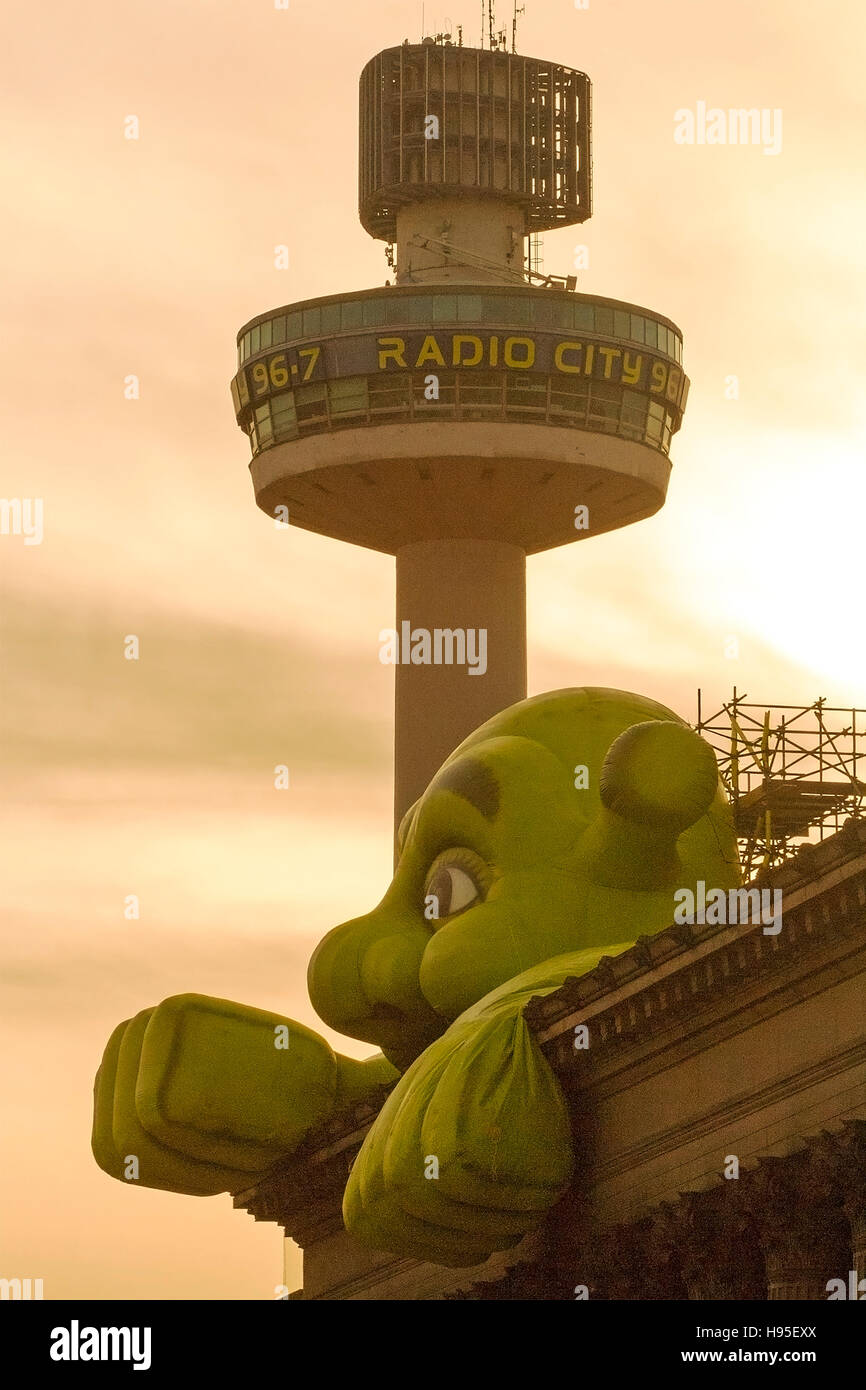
[305, 394]
[444, 308]
[310, 402]
[602, 391]
[469, 308]
[395, 310]
[419, 309]
[634, 403]
[603, 319]
[516, 310]
[529, 390]
[492, 309]
[352, 314]
[547, 314]
[283, 411]
[348, 395]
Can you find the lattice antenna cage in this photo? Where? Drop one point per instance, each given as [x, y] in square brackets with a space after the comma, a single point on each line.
[508, 127]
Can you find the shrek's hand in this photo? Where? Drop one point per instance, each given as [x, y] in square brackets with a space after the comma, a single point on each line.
[469, 1151]
[200, 1095]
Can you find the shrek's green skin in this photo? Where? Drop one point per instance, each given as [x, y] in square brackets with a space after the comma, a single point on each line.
[555, 834]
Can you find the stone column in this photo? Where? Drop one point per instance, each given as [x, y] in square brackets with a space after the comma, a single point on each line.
[843, 1156]
[803, 1231]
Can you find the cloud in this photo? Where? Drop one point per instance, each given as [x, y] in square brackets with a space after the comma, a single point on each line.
[203, 694]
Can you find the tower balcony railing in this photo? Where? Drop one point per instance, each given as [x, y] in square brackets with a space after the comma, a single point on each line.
[401, 398]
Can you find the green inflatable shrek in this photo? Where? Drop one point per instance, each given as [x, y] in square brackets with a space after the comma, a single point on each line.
[555, 834]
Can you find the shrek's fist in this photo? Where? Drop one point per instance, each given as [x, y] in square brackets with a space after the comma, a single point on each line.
[200, 1095]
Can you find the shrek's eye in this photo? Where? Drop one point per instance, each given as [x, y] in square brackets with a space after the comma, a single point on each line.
[451, 889]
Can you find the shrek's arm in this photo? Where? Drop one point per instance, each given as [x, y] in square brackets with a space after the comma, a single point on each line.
[202, 1095]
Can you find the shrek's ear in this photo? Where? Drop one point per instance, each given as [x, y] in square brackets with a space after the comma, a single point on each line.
[657, 779]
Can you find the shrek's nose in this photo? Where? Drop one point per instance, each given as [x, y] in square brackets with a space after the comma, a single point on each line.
[363, 981]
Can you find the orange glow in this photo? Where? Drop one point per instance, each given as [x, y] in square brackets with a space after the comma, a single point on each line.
[259, 646]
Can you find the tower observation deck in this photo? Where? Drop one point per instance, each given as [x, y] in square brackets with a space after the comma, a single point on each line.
[463, 417]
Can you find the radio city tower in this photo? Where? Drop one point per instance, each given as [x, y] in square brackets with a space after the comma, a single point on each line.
[476, 411]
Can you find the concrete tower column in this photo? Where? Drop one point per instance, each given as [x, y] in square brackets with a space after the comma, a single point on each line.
[465, 586]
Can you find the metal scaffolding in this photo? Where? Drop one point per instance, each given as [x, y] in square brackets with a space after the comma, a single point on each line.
[791, 772]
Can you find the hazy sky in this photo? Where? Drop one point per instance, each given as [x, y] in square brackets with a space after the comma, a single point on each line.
[259, 646]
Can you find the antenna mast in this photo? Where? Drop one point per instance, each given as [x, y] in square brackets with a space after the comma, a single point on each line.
[521, 10]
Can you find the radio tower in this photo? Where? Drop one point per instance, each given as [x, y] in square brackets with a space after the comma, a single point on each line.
[476, 411]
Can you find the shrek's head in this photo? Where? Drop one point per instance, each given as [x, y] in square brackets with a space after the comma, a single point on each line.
[567, 821]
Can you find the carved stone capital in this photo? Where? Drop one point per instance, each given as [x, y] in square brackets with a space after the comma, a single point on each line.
[719, 1252]
[801, 1225]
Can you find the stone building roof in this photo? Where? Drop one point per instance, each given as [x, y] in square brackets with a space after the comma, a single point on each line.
[705, 1043]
